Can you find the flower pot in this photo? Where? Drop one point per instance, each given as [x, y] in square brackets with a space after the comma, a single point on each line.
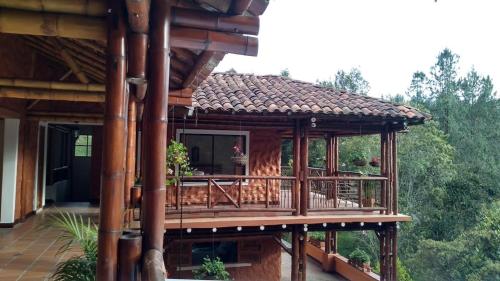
[375, 163]
[240, 160]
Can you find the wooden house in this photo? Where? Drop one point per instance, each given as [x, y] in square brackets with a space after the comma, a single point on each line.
[92, 92]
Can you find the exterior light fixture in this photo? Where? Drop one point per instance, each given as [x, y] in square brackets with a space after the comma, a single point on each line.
[305, 229]
[239, 228]
[342, 224]
[380, 224]
[214, 230]
[324, 224]
[188, 230]
[262, 227]
[283, 226]
[361, 223]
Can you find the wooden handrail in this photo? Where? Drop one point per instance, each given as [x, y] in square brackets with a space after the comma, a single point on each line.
[368, 178]
[233, 177]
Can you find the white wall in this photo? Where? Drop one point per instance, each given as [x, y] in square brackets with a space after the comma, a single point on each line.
[9, 173]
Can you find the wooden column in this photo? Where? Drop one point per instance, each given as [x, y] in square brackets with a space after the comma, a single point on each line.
[114, 147]
[394, 173]
[303, 256]
[296, 167]
[295, 253]
[332, 170]
[394, 251]
[131, 156]
[155, 128]
[304, 164]
[381, 238]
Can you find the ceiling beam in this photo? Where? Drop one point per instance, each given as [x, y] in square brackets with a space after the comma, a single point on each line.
[51, 85]
[59, 95]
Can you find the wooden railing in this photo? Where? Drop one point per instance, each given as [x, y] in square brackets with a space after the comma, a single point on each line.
[195, 194]
[346, 193]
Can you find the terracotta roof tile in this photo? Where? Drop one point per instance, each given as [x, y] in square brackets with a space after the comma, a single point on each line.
[269, 93]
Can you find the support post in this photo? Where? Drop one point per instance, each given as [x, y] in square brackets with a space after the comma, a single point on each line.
[114, 147]
[304, 159]
[155, 128]
[295, 254]
[394, 174]
[131, 156]
[303, 256]
[296, 167]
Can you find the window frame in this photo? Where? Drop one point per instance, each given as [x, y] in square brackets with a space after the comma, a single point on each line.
[246, 134]
[87, 145]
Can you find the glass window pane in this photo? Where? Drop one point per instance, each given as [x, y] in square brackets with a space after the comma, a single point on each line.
[81, 140]
[80, 151]
[200, 152]
[89, 140]
[227, 251]
[224, 150]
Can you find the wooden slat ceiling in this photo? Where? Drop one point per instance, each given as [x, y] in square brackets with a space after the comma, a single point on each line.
[188, 67]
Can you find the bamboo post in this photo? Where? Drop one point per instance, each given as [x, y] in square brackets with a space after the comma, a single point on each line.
[394, 253]
[130, 246]
[114, 148]
[304, 187]
[138, 15]
[383, 189]
[360, 194]
[131, 157]
[295, 253]
[394, 174]
[155, 128]
[296, 167]
[51, 85]
[42, 94]
[136, 74]
[303, 256]
[381, 238]
[87, 7]
[389, 173]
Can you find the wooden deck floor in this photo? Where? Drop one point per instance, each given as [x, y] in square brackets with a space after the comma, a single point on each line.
[28, 251]
[278, 220]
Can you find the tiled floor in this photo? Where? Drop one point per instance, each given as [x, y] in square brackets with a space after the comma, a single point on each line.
[28, 251]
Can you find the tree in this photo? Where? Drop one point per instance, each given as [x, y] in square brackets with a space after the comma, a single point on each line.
[352, 82]
[285, 72]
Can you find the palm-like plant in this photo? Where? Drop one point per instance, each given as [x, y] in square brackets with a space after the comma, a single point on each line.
[76, 233]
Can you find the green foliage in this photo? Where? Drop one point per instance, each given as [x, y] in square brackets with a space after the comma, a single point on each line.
[352, 82]
[401, 271]
[359, 256]
[317, 235]
[359, 147]
[285, 72]
[177, 157]
[212, 269]
[80, 233]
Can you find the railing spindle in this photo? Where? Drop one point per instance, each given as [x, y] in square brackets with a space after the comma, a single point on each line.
[178, 197]
[240, 191]
[335, 194]
[267, 193]
[360, 194]
[209, 192]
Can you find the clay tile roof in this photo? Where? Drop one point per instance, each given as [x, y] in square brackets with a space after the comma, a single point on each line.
[277, 94]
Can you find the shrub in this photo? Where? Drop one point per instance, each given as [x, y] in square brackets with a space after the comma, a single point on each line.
[212, 269]
[359, 256]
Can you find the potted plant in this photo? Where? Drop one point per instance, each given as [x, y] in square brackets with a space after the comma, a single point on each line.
[177, 157]
[375, 162]
[360, 259]
[239, 158]
[359, 157]
[212, 269]
[317, 239]
[369, 199]
[76, 233]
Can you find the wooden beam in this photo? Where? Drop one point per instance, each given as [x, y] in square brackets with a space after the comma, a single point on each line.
[239, 7]
[215, 21]
[215, 5]
[197, 39]
[137, 58]
[51, 24]
[77, 7]
[51, 85]
[206, 62]
[60, 95]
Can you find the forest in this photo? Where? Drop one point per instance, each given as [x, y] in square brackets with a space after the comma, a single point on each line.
[449, 171]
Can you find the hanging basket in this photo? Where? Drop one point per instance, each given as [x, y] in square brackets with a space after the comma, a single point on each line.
[241, 160]
[375, 162]
[359, 162]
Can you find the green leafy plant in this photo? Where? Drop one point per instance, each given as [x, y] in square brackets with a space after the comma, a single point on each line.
[76, 232]
[177, 157]
[359, 257]
[317, 235]
[212, 269]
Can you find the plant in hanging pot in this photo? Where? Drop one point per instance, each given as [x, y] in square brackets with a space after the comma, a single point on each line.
[177, 158]
[359, 157]
[317, 239]
[360, 259]
[375, 162]
[239, 158]
[212, 269]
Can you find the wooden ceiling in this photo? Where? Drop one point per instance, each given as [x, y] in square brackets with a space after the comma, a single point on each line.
[69, 33]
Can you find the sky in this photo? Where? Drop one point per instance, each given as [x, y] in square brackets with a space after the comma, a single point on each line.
[388, 40]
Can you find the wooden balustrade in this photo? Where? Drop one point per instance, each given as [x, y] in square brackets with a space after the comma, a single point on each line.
[199, 194]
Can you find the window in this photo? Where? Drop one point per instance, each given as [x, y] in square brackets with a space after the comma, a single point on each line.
[83, 146]
[213, 152]
[227, 251]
